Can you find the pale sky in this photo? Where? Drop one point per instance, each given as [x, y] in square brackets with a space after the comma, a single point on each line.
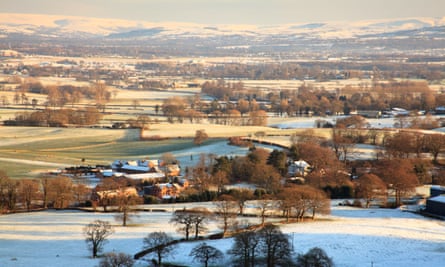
[232, 11]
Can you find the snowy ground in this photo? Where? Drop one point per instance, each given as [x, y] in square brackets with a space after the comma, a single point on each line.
[352, 237]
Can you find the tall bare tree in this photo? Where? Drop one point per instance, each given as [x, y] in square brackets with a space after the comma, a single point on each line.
[96, 234]
[245, 248]
[206, 254]
[275, 246]
[226, 210]
[159, 243]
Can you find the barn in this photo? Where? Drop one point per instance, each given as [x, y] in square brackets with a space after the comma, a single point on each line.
[436, 205]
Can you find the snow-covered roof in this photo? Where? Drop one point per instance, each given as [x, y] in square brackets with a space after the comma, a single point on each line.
[301, 163]
[148, 175]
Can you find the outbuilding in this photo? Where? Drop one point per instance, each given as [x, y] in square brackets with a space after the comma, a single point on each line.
[436, 205]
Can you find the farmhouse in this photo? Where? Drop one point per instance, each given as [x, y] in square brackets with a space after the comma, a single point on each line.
[129, 191]
[145, 166]
[166, 190]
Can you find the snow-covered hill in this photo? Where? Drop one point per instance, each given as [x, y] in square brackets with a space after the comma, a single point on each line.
[66, 26]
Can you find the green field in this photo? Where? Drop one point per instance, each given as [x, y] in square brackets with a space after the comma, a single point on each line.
[27, 151]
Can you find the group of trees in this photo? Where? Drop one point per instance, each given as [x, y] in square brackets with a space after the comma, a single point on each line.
[56, 118]
[30, 194]
[307, 98]
[266, 246]
[242, 112]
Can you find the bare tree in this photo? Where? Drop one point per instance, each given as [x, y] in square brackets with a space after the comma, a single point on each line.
[370, 186]
[342, 143]
[8, 192]
[226, 210]
[159, 243]
[27, 191]
[192, 221]
[245, 248]
[399, 176]
[265, 205]
[116, 260]
[206, 254]
[126, 201]
[435, 143]
[96, 234]
[242, 196]
[274, 246]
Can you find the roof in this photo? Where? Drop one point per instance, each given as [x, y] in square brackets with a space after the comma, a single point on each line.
[440, 198]
[148, 175]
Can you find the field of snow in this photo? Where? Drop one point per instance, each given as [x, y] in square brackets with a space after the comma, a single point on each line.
[352, 237]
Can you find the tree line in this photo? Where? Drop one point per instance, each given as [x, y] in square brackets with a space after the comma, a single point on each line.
[264, 246]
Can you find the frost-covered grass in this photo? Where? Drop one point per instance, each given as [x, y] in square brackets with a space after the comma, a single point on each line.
[351, 236]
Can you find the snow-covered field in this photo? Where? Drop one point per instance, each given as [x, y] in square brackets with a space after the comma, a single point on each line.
[352, 237]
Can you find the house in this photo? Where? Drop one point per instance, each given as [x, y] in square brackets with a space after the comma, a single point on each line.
[299, 168]
[109, 194]
[164, 190]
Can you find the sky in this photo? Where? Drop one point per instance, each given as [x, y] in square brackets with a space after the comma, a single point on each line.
[258, 12]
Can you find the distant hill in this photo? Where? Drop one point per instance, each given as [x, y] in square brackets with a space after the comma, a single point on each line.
[74, 27]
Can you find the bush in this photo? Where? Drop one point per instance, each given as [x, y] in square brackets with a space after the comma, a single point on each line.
[315, 257]
[150, 199]
[117, 260]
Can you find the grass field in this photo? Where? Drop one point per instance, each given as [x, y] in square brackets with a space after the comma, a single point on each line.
[28, 151]
[25, 151]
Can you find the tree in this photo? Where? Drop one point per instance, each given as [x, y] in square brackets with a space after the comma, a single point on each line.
[245, 248]
[81, 193]
[241, 196]
[435, 143]
[220, 179]
[399, 176]
[200, 218]
[96, 234]
[126, 199]
[106, 191]
[265, 204]
[116, 260]
[60, 192]
[143, 121]
[226, 210]
[101, 95]
[400, 145]
[315, 257]
[369, 187]
[8, 193]
[206, 254]
[267, 177]
[278, 159]
[342, 143]
[258, 118]
[274, 246]
[27, 191]
[200, 137]
[190, 221]
[159, 243]
[45, 189]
